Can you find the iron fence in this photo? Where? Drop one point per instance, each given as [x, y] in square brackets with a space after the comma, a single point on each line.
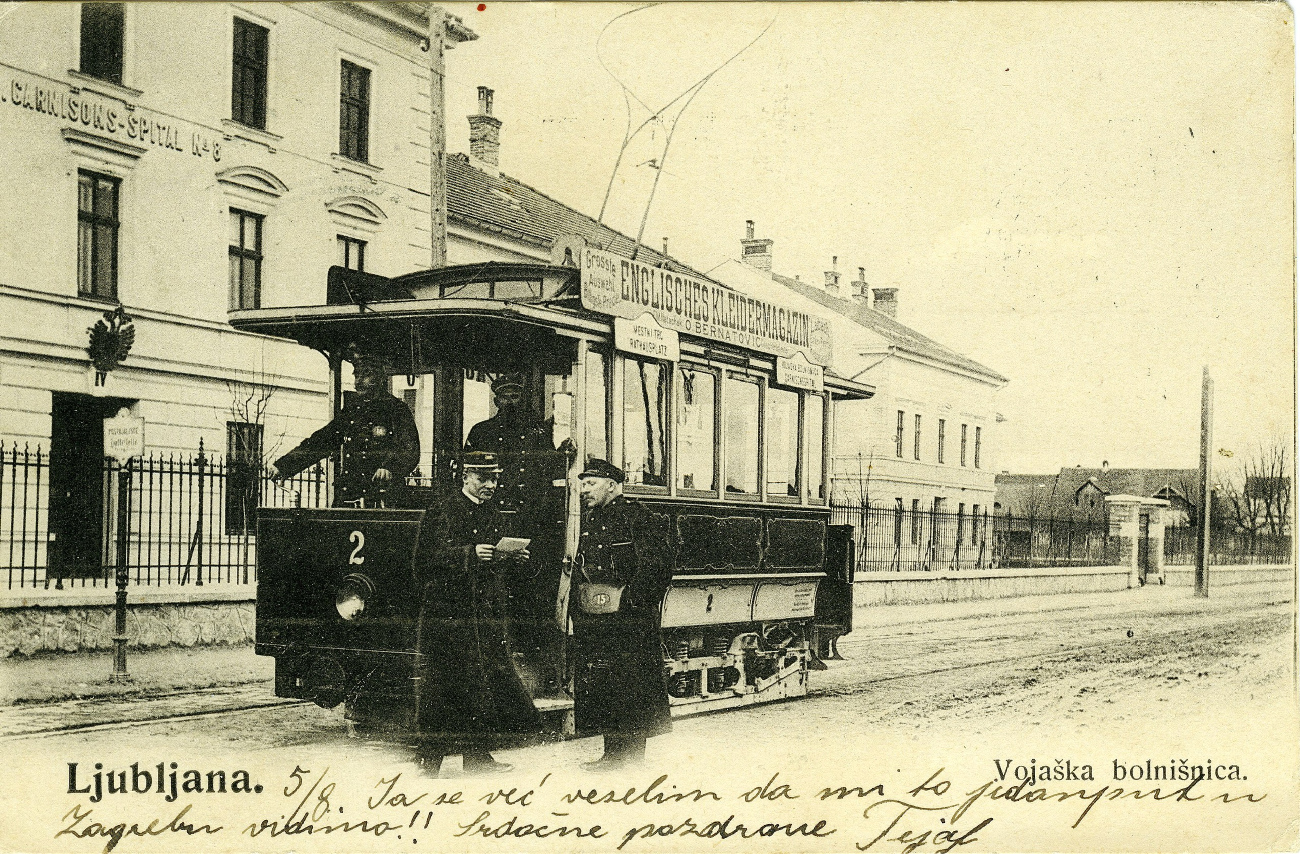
[190, 519]
[899, 539]
[1227, 547]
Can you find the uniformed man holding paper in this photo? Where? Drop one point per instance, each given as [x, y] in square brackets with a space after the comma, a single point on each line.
[470, 695]
[621, 574]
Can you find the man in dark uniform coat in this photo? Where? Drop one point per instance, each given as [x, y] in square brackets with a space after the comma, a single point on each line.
[531, 462]
[378, 438]
[469, 691]
[618, 677]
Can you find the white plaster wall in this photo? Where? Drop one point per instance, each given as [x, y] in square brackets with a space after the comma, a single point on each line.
[173, 243]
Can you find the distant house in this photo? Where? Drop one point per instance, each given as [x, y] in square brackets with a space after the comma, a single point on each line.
[1080, 493]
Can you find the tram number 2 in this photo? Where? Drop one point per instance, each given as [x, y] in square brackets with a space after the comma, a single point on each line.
[360, 539]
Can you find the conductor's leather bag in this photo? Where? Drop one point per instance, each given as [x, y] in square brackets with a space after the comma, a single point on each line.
[594, 598]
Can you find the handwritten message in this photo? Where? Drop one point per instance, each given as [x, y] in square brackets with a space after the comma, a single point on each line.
[658, 811]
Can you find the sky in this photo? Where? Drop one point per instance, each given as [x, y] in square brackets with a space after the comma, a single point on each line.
[1093, 199]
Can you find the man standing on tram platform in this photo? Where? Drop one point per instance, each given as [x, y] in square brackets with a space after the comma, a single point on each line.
[531, 463]
[377, 436]
[469, 696]
[622, 572]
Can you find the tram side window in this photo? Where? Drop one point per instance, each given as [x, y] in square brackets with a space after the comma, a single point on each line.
[815, 410]
[597, 439]
[696, 439]
[781, 440]
[476, 401]
[645, 406]
[741, 410]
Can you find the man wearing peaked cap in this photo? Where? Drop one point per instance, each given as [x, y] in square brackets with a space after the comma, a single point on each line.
[622, 571]
[470, 695]
[530, 464]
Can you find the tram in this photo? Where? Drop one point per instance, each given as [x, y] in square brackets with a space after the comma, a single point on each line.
[717, 406]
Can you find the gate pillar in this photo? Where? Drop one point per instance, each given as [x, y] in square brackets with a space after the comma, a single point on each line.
[1138, 528]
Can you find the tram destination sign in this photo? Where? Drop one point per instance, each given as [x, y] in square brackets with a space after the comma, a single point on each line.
[625, 288]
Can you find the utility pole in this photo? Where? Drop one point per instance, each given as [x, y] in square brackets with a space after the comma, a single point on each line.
[437, 139]
[445, 31]
[1203, 529]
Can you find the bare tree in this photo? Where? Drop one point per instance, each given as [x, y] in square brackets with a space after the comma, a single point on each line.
[1256, 494]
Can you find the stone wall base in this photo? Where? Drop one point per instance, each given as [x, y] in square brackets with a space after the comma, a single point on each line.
[916, 588]
[28, 630]
[1185, 576]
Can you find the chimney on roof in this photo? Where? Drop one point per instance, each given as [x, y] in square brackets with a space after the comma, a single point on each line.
[885, 301]
[665, 247]
[756, 253]
[485, 134]
[833, 277]
[859, 290]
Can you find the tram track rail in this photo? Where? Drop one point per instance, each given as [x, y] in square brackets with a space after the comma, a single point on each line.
[1258, 612]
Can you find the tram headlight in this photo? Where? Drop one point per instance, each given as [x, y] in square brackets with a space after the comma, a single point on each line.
[353, 596]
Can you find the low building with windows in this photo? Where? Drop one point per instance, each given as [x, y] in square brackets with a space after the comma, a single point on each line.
[166, 163]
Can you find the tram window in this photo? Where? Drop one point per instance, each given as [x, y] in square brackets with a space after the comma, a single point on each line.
[516, 290]
[645, 405]
[597, 438]
[696, 437]
[476, 401]
[815, 411]
[741, 409]
[781, 441]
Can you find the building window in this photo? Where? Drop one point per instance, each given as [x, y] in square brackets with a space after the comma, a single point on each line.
[898, 522]
[248, 74]
[97, 227]
[963, 444]
[916, 521]
[243, 475]
[916, 439]
[977, 447]
[354, 112]
[245, 259]
[352, 253]
[942, 425]
[103, 28]
[645, 407]
[974, 524]
[697, 438]
[898, 436]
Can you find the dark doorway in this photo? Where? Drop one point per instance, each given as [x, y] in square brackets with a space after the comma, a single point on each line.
[77, 482]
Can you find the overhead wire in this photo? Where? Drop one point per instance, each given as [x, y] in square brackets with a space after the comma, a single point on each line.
[629, 134]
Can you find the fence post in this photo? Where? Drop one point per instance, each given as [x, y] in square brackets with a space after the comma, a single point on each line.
[201, 461]
[123, 539]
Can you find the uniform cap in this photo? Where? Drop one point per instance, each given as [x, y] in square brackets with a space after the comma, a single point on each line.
[508, 380]
[597, 467]
[481, 462]
[365, 359]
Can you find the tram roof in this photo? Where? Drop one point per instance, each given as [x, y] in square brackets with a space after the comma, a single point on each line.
[446, 303]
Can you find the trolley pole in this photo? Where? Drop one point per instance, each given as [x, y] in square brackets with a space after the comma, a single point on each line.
[1203, 528]
[123, 539]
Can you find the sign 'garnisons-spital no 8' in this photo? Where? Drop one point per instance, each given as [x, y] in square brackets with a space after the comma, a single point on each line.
[626, 288]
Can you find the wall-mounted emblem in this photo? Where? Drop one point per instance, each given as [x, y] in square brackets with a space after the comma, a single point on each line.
[110, 342]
